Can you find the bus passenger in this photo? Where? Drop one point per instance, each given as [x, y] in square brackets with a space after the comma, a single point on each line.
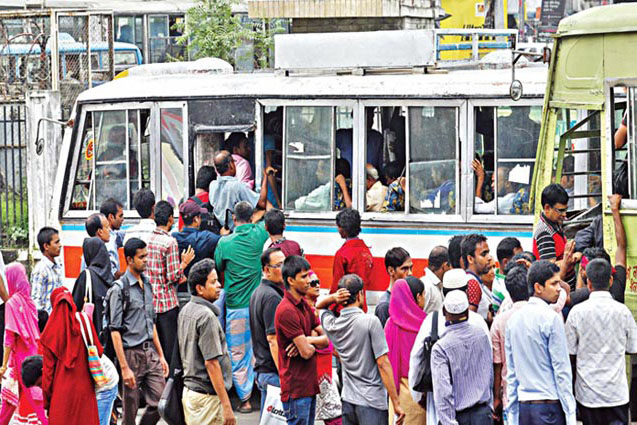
[395, 198]
[237, 143]
[374, 151]
[512, 197]
[376, 191]
[318, 199]
[228, 190]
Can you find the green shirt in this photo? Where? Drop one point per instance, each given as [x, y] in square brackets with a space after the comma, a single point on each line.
[238, 257]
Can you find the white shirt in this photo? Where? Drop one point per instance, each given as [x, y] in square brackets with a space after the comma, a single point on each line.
[141, 230]
[600, 331]
[375, 197]
[433, 292]
[416, 356]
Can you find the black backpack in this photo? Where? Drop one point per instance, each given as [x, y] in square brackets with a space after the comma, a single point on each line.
[208, 221]
[105, 335]
[424, 383]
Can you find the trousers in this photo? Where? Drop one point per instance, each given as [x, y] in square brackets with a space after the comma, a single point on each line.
[149, 382]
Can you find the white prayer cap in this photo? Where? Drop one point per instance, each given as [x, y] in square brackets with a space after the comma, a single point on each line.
[455, 279]
[456, 302]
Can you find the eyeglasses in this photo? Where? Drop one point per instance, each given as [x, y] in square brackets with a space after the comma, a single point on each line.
[315, 283]
[275, 266]
[560, 210]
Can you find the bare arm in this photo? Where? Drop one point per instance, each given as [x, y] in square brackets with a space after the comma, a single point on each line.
[319, 341]
[340, 180]
[497, 394]
[387, 376]
[305, 348]
[216, 376]
[274, 349]
[272, 179]
[4, 295]
[127, 374]
[620, 136]
[262, 203]
[479, 170]
[620, 232]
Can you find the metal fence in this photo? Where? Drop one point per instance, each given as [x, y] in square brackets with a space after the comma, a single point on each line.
[64, 50]
[14, 217]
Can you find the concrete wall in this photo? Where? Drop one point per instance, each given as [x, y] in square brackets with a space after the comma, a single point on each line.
[314, 25]
[337, 8]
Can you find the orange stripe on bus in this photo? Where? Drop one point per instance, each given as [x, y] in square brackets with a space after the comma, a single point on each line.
[321, 264]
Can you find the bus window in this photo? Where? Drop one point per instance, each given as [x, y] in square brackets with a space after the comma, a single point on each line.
[172, 160]
[309, 141]
[113, 146]
[385, 155]
[505, 148]
[432, 160]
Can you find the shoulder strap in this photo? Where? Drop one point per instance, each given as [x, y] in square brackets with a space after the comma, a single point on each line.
[434, 327]
[196, 200]
[88, 290]
[79, 317]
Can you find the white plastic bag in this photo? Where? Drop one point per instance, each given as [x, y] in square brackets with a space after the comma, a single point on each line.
[273, 413]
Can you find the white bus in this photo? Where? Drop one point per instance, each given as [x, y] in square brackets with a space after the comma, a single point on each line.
[156, 131]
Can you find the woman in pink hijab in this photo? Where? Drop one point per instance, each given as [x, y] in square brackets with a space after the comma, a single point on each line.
[21, 336]
[406, 314]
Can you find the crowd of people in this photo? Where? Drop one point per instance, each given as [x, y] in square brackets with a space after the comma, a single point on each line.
[476, 340]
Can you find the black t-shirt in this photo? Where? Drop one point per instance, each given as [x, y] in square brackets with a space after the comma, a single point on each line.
[617, 290]
[263, 303]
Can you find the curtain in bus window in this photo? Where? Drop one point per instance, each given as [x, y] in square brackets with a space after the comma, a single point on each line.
[518, 131]
[172, 160]
[432, 160]
[308, 164]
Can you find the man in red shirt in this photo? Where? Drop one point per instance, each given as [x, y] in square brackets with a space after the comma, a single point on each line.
[294, 322]
[354, 256]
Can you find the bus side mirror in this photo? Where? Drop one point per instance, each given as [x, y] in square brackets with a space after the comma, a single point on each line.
[546, 55]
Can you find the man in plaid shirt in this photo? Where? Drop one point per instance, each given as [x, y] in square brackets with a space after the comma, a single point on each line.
[165, 270]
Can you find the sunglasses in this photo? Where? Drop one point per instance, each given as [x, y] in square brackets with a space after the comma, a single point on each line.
[315, 283]
[561, 210]
[275, 266]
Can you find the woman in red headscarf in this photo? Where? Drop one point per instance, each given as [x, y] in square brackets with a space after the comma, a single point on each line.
[69, 390]
[21, 336]
[405, 317]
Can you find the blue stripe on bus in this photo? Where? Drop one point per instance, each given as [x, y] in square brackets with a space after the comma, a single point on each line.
[370, 231]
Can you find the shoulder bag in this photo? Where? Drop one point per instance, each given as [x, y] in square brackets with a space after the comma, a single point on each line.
[425, 383]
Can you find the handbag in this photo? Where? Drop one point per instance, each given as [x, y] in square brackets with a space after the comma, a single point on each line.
[425, 383]
[170, 406]
[273, 412]
[88, 307]
[94, 361]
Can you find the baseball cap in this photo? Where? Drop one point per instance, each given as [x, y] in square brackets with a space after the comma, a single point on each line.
[191, 209]
[456, 302]
[455, 279]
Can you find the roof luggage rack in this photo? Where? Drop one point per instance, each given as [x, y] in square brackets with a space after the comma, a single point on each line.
[360, 53]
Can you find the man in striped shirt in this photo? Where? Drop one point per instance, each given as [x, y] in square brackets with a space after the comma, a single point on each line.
[461, 366]
[549, 241]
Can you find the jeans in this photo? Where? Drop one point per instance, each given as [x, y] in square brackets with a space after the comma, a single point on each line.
[300, 411]
[263, 380]
[355, 414]
[542, 414]
[105, 401]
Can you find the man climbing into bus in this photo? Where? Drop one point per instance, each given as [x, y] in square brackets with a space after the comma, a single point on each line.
[228, 190]
[549, 241]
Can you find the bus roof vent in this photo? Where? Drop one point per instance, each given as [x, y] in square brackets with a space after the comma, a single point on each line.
[359, 52]
[200, 66]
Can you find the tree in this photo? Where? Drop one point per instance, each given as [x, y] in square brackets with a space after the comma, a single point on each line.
[211, 30]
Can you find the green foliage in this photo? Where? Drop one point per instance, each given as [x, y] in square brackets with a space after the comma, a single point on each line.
[211, 30]
[14, 218]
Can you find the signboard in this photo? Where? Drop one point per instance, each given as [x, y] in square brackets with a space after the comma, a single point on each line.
[552, 14]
